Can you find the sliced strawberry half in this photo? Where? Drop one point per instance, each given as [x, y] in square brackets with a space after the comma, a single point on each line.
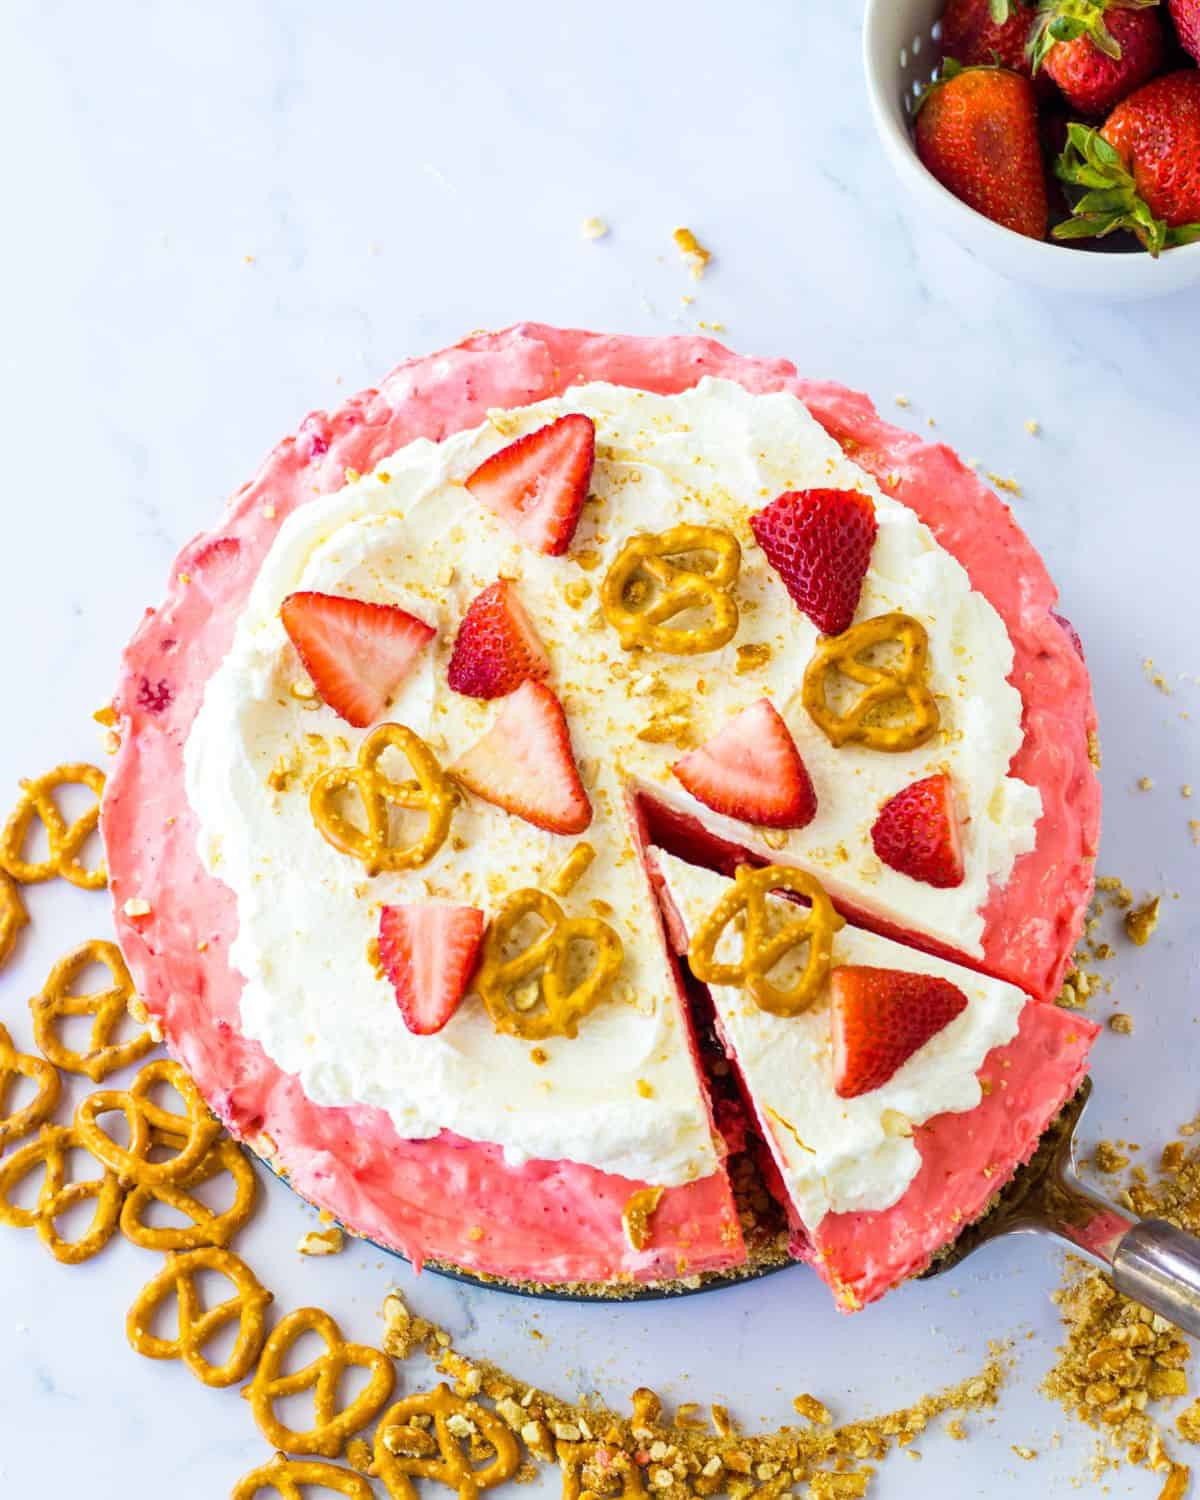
[539, 483]
[497, 648]
[916, 833]
[428, 952]
[356, 653]
[819, 542]
[752, 770]
[525, 765]
[880, 1018]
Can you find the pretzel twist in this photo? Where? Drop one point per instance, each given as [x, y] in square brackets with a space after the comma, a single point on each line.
[65, 840]
[107, 1007]
[900, 686]
[431, 793]
[333, 1424]
[761, 950]
[648, 585]
[540, 972]
[401, 1449]
[57, 1196]
[14, 1065]
[197, 1325]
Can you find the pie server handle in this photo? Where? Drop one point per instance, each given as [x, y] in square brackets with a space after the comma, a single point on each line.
[1158, 1265]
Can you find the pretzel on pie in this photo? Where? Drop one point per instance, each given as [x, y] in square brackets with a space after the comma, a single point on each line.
[402, 1449]
[65, 840]
[190, 1135]
[13, 916]
[206, 1227]
[512, 987]
[196, 1324]
[291, 1477]
[431, 793]
[14, 1065]
[658, 576]
[58, 1195]
[333, 1424]
[761, 949]
[901, 686]
[107, 1007]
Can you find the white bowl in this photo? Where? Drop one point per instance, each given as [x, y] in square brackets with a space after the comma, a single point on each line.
[901, 52]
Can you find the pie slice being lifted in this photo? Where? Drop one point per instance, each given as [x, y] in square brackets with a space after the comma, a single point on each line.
[395, 743]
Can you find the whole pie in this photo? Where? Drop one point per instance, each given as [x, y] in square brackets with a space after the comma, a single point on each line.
[585, 764]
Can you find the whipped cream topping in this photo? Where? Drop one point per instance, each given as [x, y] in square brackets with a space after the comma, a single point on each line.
[623, 1095]
[838, 1155]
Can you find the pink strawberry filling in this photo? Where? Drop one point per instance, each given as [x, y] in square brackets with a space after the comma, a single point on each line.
[447, 1198]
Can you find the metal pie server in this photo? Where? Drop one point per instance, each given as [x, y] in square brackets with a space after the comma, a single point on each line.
[1148, 1260]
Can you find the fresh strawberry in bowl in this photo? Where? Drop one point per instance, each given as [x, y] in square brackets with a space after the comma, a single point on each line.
[977, 133]
[1141, 169]
[905, 45]
[989, 31]
[1098, 51]
[1186, 16]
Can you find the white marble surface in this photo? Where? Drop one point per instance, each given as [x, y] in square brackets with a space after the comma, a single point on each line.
[400, 175]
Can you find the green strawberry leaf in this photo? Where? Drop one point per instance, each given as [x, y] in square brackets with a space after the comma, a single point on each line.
[1183, 234]
[1110, 199]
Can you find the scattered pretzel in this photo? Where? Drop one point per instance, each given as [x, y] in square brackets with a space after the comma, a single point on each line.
[321, 1376]
[600, 1465]
[206, 1227]
[13, 916]
[247, 1307]
[107, 1007]
[288, 1476]
[14, 1064]
[402, 1449]
[506, 984]
[814, 925]
[644, 589]
[888, 688]
[149, 1125]
[65, 839]
[431, 793]
[57, 1196]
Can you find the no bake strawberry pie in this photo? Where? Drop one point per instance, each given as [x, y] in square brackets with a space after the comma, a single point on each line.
[557, 678]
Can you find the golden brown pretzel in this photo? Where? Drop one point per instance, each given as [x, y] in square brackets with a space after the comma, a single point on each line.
[288, 1477]
[761, 950]
[402, 1449]
[149, 1125]
[644, 588]
[14, 1064]
[206, 1227]
[333, 1424]
[57, 1196]
[13, 916]
[108, 1007]
[65, 840]
[431, 793]
[903, 684]
[504, 984]
[197, 1325]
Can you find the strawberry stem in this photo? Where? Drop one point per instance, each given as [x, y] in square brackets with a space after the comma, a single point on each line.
[1110, 199]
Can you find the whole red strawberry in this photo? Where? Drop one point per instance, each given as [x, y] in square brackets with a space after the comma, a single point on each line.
[977, 132]
[819, 542]
[1141, 170]
[1098, 51]
[1186, 15]
[988, 31]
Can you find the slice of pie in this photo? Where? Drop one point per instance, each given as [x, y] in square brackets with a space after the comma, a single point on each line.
[395, 744]
[901, 1098]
